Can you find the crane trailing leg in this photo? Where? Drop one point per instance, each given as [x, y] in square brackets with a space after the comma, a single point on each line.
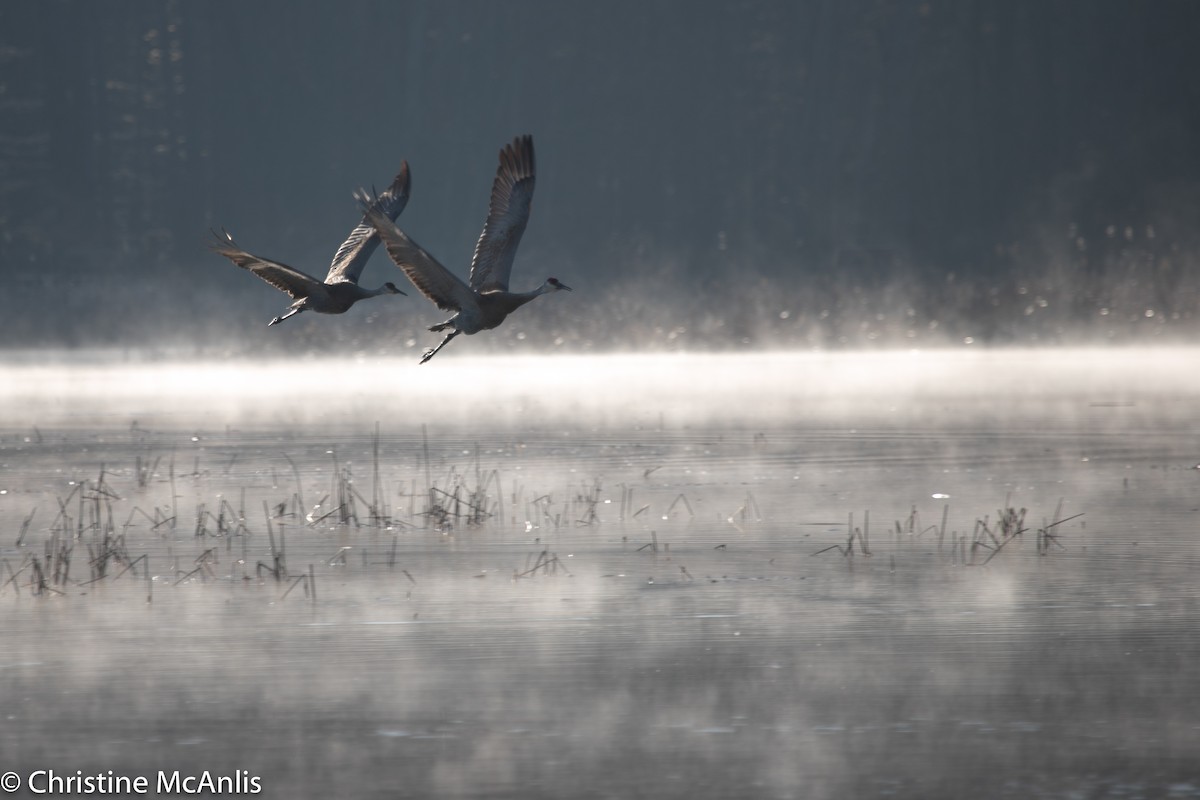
[278, 320]
[431, 353]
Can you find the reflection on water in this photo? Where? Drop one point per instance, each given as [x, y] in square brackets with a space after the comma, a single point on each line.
[610, 577]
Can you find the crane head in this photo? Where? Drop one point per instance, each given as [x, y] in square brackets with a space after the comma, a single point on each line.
[556, 285]
[391, 287]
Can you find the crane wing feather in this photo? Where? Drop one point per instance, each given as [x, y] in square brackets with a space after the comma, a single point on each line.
[354, 253]
[508, 213]
[444, 288]
[287, 279]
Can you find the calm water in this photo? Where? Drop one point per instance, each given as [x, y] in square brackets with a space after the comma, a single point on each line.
[608, 577]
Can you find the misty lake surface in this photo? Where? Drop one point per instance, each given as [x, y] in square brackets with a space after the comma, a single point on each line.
[785, 575]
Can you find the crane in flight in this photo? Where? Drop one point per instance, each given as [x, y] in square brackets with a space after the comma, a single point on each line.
[484, 302]
[340, 290]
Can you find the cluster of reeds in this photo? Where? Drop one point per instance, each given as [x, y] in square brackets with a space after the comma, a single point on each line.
[588, 497]
[455, 504]
[992, 536]
[85, 519]
[578, 509]
[228, 523]
[451, 498]
[986, 541]
[445, 504]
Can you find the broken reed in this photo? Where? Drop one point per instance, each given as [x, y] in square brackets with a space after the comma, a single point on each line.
[861, 535]
[546, 562]
[309, 580]
[278, 566]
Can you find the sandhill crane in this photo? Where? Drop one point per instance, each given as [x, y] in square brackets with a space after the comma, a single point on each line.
[340, 289]
[486, 301]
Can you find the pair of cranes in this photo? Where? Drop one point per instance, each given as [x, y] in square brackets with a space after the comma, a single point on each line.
[480, 304]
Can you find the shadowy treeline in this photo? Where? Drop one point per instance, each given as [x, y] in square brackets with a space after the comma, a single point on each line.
[701, 163]
[1117, 290]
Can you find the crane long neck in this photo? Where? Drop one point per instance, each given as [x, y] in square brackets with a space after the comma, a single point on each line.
[508, 302]
[521, 298]
[525, 297]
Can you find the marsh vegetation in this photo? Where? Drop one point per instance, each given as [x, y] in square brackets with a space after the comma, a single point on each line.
[888, 576]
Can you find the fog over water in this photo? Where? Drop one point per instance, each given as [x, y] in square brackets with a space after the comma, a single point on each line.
[479, 393]
[808, 575]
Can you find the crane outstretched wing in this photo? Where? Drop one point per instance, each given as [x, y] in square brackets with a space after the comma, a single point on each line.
[444, 288]
[508, 213]
[352, 256]
[287, 279]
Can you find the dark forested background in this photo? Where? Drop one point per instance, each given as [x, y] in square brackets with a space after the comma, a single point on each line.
[711, 174]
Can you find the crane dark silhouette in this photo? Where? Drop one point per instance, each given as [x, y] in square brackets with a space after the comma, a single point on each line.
[340, 290]
[485, 302]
